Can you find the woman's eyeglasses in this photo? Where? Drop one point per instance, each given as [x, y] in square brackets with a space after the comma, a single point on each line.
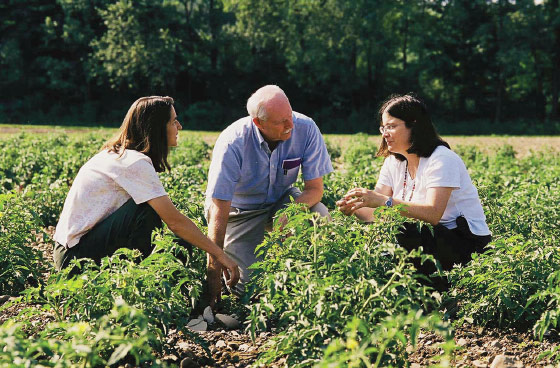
[390, 127]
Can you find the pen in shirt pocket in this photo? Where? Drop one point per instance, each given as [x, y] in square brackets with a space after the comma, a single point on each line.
[290, 164]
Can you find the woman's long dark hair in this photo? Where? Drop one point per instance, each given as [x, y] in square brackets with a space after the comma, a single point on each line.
[413, 111]
[144, 129]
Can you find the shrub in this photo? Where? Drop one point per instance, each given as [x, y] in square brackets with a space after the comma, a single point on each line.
[162, 286]
[192, 151]
[333, 148]
[19, 263]
[316, 277]
[385, 344]
[120, 336]
[494, 287]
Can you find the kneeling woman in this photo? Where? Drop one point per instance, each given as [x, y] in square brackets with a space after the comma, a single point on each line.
[117, 199]
[422, 172]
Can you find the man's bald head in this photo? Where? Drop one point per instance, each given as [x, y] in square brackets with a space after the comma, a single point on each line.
[260, 102]
[271, 112]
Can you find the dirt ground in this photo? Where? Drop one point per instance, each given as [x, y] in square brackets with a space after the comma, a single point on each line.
[523, 145]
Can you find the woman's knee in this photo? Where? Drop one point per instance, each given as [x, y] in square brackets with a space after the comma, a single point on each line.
[63, 257]
[147, 216]
[59, 256]
[409, 237]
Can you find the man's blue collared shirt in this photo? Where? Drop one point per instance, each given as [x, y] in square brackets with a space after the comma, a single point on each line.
[244, 170]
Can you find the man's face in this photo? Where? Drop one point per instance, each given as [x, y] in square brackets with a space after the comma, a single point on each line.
[279, 123]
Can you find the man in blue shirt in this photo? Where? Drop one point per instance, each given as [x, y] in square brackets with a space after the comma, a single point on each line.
[254, 164]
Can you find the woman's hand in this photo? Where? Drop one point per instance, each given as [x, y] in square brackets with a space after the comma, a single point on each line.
[183, 227]
[360, 197]
[345, 207]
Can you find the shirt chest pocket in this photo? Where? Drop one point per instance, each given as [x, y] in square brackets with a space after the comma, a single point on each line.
[288, 171]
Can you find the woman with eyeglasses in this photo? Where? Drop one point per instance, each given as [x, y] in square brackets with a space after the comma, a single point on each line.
[422, 172]
[117, 198]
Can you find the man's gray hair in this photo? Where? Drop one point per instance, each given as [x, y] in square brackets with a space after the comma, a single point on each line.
[256, 103]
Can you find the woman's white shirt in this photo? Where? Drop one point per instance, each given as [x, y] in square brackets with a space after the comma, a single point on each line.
[444, 168]
[101, 187]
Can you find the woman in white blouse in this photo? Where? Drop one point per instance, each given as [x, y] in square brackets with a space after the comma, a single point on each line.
[117, 199]
[422, 172]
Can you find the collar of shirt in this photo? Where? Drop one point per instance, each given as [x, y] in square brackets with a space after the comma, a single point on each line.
[260, 139]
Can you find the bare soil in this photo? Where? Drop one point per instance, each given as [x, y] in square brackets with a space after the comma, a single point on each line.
[34, 129]
[523, 145]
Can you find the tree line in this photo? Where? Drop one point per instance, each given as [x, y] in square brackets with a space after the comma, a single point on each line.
[483, 66]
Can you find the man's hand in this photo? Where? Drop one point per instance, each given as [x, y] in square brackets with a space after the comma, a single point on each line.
[230, 270]
[214, 280]
[216, 268]
[217, 224]
[281, 222]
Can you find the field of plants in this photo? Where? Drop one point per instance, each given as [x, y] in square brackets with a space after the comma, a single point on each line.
[337, 294]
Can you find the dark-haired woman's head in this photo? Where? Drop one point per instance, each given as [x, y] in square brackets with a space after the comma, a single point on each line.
[150, 126]
[406, 117]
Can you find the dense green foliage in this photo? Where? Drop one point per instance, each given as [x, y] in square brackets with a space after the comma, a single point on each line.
[164, 288]
[117, 312]
[478, 62]
[19, 264]
[317, 278]
[384, 344]
[513, 284]
[337, 294]
[122, 333]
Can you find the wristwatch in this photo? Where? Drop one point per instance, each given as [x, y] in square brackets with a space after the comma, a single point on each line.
[389, 202]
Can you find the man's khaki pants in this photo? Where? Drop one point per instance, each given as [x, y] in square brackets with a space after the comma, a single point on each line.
[245, 230]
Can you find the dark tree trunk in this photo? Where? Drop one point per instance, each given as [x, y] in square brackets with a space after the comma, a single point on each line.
[213, 36]
[194, 37]
[555, 113]
[405, 43]
[540, 100]
[353, 68]
[370, 86]
[499, 98]
[500, 84]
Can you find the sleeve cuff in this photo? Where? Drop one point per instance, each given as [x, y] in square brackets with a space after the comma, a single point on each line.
[318, 174]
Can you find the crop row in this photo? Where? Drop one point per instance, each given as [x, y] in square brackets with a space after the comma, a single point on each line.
[338, 294]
